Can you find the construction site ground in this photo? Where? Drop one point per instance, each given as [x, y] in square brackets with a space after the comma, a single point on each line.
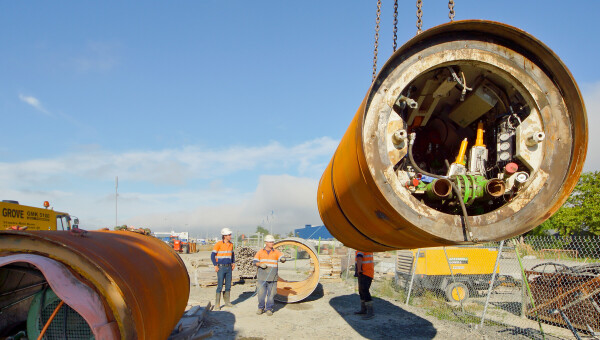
[327, 313]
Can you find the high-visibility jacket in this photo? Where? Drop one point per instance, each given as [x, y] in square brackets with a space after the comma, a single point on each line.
[270, 258]
[222, 253]
[368, 266]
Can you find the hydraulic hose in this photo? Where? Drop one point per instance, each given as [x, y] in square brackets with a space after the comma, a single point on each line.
[469, 233]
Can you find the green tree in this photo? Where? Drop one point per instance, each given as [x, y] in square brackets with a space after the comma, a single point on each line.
[262, 230]
[581, 211]
[290, 234]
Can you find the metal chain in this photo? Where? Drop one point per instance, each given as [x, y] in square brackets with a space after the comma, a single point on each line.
[419, 16]
[395, 24]
[376, 39]
[451, 8]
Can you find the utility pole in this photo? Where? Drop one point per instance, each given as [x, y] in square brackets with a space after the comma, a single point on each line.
[272, 217]
[116, 200]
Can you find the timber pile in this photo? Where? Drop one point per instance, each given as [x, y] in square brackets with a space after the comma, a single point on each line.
[243, 260]
[332, 266]
[202, 272]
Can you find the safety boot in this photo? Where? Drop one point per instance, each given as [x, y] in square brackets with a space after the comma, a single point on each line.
[370, 314]
[226, 296]
[217, 301]
[363, 308]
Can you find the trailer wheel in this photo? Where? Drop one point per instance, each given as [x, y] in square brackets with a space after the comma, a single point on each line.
[457, 291]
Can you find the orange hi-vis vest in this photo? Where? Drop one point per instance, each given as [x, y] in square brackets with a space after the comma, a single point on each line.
[223, 250]
[270, 258]
[368, 266]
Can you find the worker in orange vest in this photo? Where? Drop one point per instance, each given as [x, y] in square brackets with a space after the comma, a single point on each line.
[365, 270]
[266, 260]
[223, 259]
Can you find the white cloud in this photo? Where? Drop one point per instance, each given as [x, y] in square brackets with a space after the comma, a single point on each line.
[198, 187]
[282, 202]
[174, 166]
[591, 95]
[34, 102]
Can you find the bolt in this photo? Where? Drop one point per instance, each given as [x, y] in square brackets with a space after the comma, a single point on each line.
[536, 138]
[399, 138]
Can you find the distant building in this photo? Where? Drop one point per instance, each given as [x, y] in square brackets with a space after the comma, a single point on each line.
[313, 233]
[165, 235]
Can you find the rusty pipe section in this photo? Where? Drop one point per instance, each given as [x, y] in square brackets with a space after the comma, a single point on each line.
[495, 187]
[442, 188]
[141, 282]
[490, 90]
[296, 291]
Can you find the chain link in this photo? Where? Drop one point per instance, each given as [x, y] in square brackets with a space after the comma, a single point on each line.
[395, 24]
[376, 38]
[451, 8]
[419, 16]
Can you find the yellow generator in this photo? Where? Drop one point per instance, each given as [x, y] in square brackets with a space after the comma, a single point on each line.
[13, 214]
[472, 269]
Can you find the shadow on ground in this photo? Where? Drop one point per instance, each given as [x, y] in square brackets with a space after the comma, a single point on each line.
[304, 304]
[243, 297]
[221, 323]
[390, 321]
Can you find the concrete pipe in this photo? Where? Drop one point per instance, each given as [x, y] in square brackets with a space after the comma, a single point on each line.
[470, 102]
[124, 285]
[295, 291]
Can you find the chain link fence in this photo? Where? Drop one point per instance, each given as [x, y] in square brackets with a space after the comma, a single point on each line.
[541, 287]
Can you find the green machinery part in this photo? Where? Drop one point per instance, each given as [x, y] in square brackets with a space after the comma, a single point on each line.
[66, 324]
[472, 187]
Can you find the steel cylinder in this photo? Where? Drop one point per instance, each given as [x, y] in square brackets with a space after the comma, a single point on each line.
[295, 291]
[461, 76]
[142, 283]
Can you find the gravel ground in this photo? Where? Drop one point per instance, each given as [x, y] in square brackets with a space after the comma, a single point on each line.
[328, 314]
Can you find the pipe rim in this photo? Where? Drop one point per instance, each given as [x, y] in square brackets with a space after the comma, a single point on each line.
[296, 291]
[558, 85]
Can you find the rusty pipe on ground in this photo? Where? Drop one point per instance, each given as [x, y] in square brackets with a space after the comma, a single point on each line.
[520, 88]
[295, 291]
[125, 285]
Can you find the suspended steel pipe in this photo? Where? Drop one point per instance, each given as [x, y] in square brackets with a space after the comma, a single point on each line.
[517, 88]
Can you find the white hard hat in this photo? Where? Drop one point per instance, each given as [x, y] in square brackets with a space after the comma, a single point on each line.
[269, 238]
[226, 231]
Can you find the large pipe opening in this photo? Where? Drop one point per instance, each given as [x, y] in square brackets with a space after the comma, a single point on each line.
[476, 106]
[295, 288]
[34, 287]
[109, 278]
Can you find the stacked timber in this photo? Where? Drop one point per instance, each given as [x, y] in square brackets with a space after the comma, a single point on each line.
[331, 266]
[243, 260]
[385, 265]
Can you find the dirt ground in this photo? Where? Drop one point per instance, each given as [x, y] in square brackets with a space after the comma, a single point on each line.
[328, 314]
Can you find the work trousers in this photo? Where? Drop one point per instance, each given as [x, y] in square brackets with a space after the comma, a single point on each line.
[266, 289]
[224, 274]
[364, 284]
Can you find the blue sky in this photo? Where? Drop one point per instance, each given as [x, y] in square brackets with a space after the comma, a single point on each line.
[213, 113]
